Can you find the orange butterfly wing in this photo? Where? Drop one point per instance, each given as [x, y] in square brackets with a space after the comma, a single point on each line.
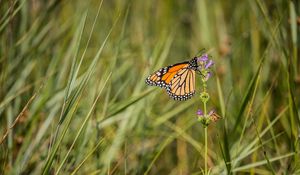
[163, 76]
[182, 86]
[177, 79]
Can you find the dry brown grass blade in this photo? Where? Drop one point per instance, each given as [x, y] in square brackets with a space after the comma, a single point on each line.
[21, 114]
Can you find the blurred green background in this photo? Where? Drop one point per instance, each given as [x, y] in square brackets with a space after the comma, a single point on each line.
[73, 98]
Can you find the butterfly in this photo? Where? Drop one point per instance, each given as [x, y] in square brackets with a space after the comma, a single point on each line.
[177, 79]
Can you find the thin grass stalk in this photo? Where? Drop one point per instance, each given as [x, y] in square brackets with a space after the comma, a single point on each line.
[72, 76]
[82, 126]
[51, 156]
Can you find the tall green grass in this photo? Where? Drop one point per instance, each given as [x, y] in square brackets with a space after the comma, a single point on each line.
[73, 98]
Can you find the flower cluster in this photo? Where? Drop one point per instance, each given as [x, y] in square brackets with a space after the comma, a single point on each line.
[206, 119]
[204, 68]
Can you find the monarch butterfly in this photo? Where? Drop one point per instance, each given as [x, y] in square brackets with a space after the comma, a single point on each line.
[177, 79]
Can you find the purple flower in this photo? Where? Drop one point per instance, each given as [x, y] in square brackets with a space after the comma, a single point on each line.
[208, 75]
[203, 58]
[204, 66]
[204, 62]
[200, 112]
[209, 64]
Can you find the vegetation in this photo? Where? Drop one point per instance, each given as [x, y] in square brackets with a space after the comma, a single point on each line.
[73, 98]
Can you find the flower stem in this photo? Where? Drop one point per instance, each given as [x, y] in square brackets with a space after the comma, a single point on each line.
[205, 137]
[204, 67]
[205, 158]
[204, 109]
[204, 101]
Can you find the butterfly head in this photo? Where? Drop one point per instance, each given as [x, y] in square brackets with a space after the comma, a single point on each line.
[193, 63]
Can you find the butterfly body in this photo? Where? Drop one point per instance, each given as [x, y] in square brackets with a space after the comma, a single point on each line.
[177, 79]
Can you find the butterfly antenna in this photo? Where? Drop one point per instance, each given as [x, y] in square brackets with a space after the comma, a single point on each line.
[201, 52]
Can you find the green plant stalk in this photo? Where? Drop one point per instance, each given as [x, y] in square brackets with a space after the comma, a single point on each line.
[205, 128]
[205, 135]
[205, 156]
[204, 108]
